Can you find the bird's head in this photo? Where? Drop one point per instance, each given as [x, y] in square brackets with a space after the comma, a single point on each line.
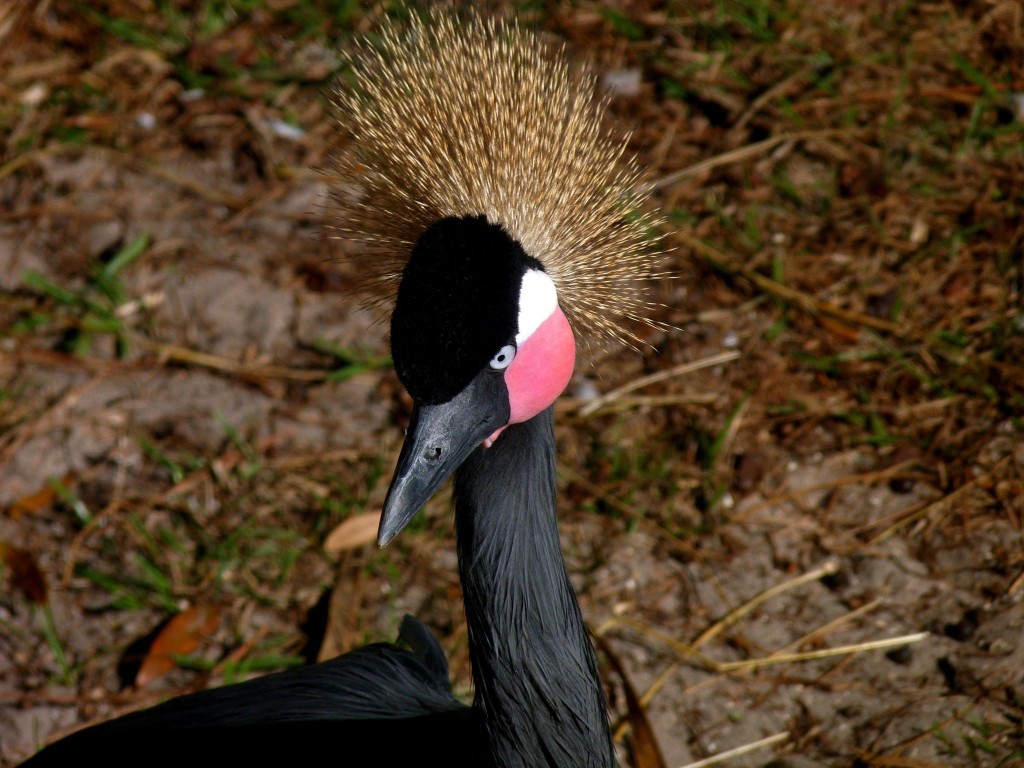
[489, 200]
[480, 342]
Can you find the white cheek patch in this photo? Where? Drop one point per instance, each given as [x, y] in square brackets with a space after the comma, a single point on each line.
[537, 300]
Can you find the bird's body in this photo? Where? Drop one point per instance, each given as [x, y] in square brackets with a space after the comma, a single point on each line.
[538, 699]
[490, 202]
[358, 698]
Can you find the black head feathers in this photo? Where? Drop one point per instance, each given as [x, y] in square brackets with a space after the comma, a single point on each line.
[457, 305]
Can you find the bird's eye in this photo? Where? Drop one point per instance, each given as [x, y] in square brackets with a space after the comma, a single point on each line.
[504, 358]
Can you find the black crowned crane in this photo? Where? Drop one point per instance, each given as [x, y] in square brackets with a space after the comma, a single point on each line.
[496, 217]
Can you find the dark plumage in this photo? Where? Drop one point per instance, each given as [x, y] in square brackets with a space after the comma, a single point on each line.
[343, 704]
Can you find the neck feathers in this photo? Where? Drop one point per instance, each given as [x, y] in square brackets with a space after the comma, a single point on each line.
[537, 685]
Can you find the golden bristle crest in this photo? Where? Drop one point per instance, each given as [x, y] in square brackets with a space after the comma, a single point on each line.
[473, 117]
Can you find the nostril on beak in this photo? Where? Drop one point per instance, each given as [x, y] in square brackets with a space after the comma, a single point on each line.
[432, 453]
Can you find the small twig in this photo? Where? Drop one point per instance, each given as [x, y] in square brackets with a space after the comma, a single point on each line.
[78, 541]
[301, 461]
[227, 199]
[769, 95]
[242, 370]
[643, 381]
[826, 569]
[199, 188]
[644, 739]
[723, 263]
[743, 153]
[9, 18]
[731, 753]
[45, 420]
[1016, 585]
[658, 684]
[649, 695]
[649, 401]
[965, 94]
[864, 478]
[34, 155]
[595, 490]
[726, 438]
[825, 653]
[691, 650]
[938, 503]
[894, 760]
[240, 652]
[824, 629]
[688, 652]
[666, 675]
[290, 172]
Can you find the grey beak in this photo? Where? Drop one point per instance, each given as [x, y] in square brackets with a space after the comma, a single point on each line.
[439, 439]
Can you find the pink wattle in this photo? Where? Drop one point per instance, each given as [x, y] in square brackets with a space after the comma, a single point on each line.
[542, 368]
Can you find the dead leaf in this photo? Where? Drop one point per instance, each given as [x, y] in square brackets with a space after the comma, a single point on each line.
[181, 636]
[750, 468]
[644, 744]
[25, 572]
[38, 501]
[841, 330]
[354, 532]
[959, 286]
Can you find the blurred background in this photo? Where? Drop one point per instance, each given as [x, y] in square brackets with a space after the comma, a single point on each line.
[198, 421]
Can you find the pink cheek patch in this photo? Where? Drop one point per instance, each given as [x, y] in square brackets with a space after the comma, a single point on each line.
[541, 370]
[490, 440]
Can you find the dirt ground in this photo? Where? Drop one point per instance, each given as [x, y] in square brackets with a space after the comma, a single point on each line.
[192, 400]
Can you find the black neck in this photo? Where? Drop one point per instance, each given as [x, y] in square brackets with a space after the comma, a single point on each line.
[537, 685]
